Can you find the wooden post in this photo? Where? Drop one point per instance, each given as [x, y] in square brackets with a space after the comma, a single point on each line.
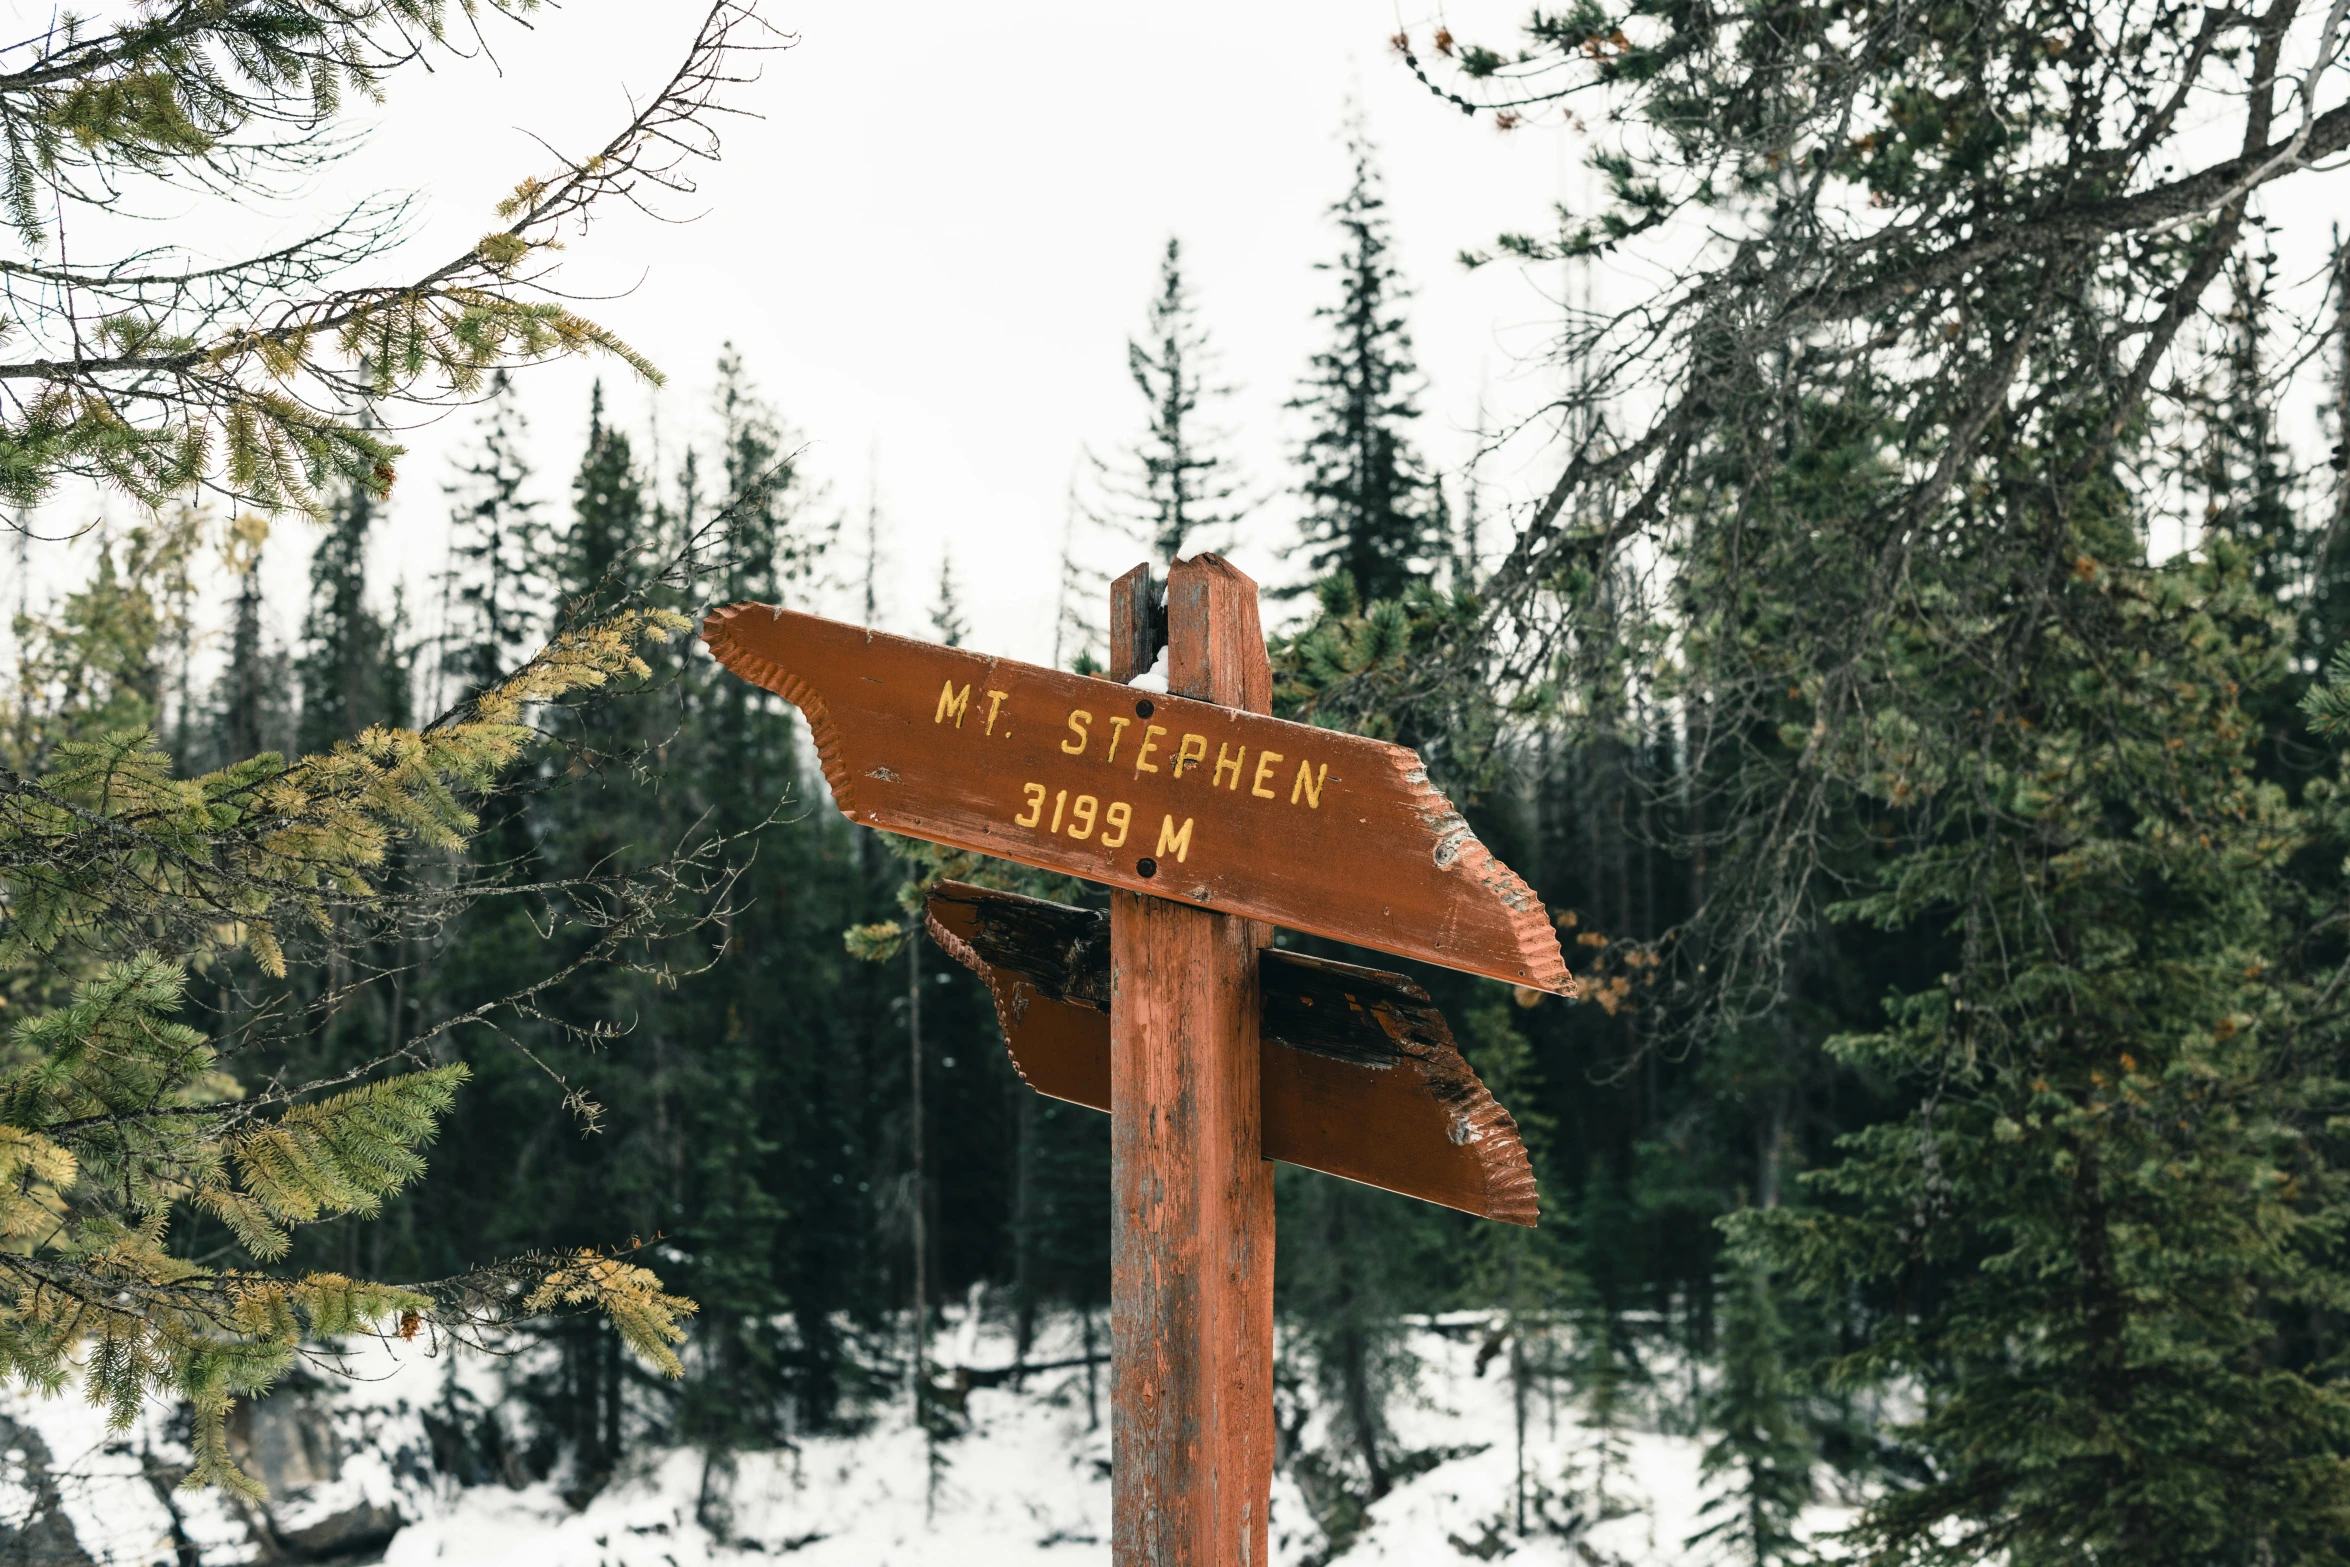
[1191, 1283]
[1330, 833]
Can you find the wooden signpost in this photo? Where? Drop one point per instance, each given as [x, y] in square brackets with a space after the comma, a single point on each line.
[1358, 1072]
[1211, 822]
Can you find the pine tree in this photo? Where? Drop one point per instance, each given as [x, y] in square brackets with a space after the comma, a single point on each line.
[946, 611]
[771, 540]
[252, 703]
[772, 1130]
[131, 1137]
[181, 1177]
[498, 548]
[1521, 1274]
[1374, 516]
[1388, 651]
[101, 665]
[604, 553]
[353, 673]
[1760, 1457]
[1174, 488]
[2087, 1240]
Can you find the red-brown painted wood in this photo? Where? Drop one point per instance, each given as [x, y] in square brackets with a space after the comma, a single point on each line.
[1191, 1218]
[1361, 1078]
[1213, 805]
[1213, 820]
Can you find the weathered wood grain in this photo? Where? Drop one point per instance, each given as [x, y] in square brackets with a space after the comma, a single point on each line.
[1137, 623]
[1191, 1215]
[1189, 801]
[1361, 1077]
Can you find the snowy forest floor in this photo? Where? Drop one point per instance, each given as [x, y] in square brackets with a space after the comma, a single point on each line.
[354, 1477]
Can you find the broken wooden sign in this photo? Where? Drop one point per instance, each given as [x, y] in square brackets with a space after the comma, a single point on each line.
[1360, 1076]
[1200, 804]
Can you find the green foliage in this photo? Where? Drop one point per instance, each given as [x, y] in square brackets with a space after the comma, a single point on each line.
[277, 884]
[2328, 701]
[1389, 669]
[98, 663]
[1760, 1446]
[1989, 878]
[267, 356]
[2111, 1190]
[499, 547]
[1374, 516]
[121, 1119]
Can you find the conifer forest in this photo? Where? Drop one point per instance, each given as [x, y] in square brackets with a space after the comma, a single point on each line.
[1907, 649]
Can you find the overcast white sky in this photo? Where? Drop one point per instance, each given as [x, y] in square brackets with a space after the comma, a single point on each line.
[933, 243]
[934, 238]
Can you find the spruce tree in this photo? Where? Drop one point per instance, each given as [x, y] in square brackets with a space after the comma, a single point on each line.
[353, 673]
[1174, 488]
[605, 551]
[499, 547]
[2087, 1241]
[1758, 1461]
[946, 610]
[1373, 514]
[730, 1081]
[1523, 1275]
[1388, 650]
[253, 699]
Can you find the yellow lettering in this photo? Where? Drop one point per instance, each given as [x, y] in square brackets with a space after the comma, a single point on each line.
[950, 702]
[1309, 784]
[1059, 800]
[1142, 758]
[1082, 813]
[1233, 762]
[1193, 750]
[995, 699]
[1035, 812]
[1170, 839]
[1117, 733]
[1256, 785]
[1120, 815]
[1077, 722]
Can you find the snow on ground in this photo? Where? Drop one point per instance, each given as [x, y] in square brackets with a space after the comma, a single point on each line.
[1026, 1483]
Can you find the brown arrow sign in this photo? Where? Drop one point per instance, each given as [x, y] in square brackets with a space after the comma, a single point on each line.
[1360, 1075]
[1206, 805]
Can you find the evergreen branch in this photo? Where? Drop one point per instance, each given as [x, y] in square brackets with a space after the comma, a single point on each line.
[164, 398]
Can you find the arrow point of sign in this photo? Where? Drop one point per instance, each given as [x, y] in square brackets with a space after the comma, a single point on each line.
[722, 632]
[1456, 850]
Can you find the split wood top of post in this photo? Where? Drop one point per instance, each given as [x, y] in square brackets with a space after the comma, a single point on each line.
[1324, 832]
[1360, 1075]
